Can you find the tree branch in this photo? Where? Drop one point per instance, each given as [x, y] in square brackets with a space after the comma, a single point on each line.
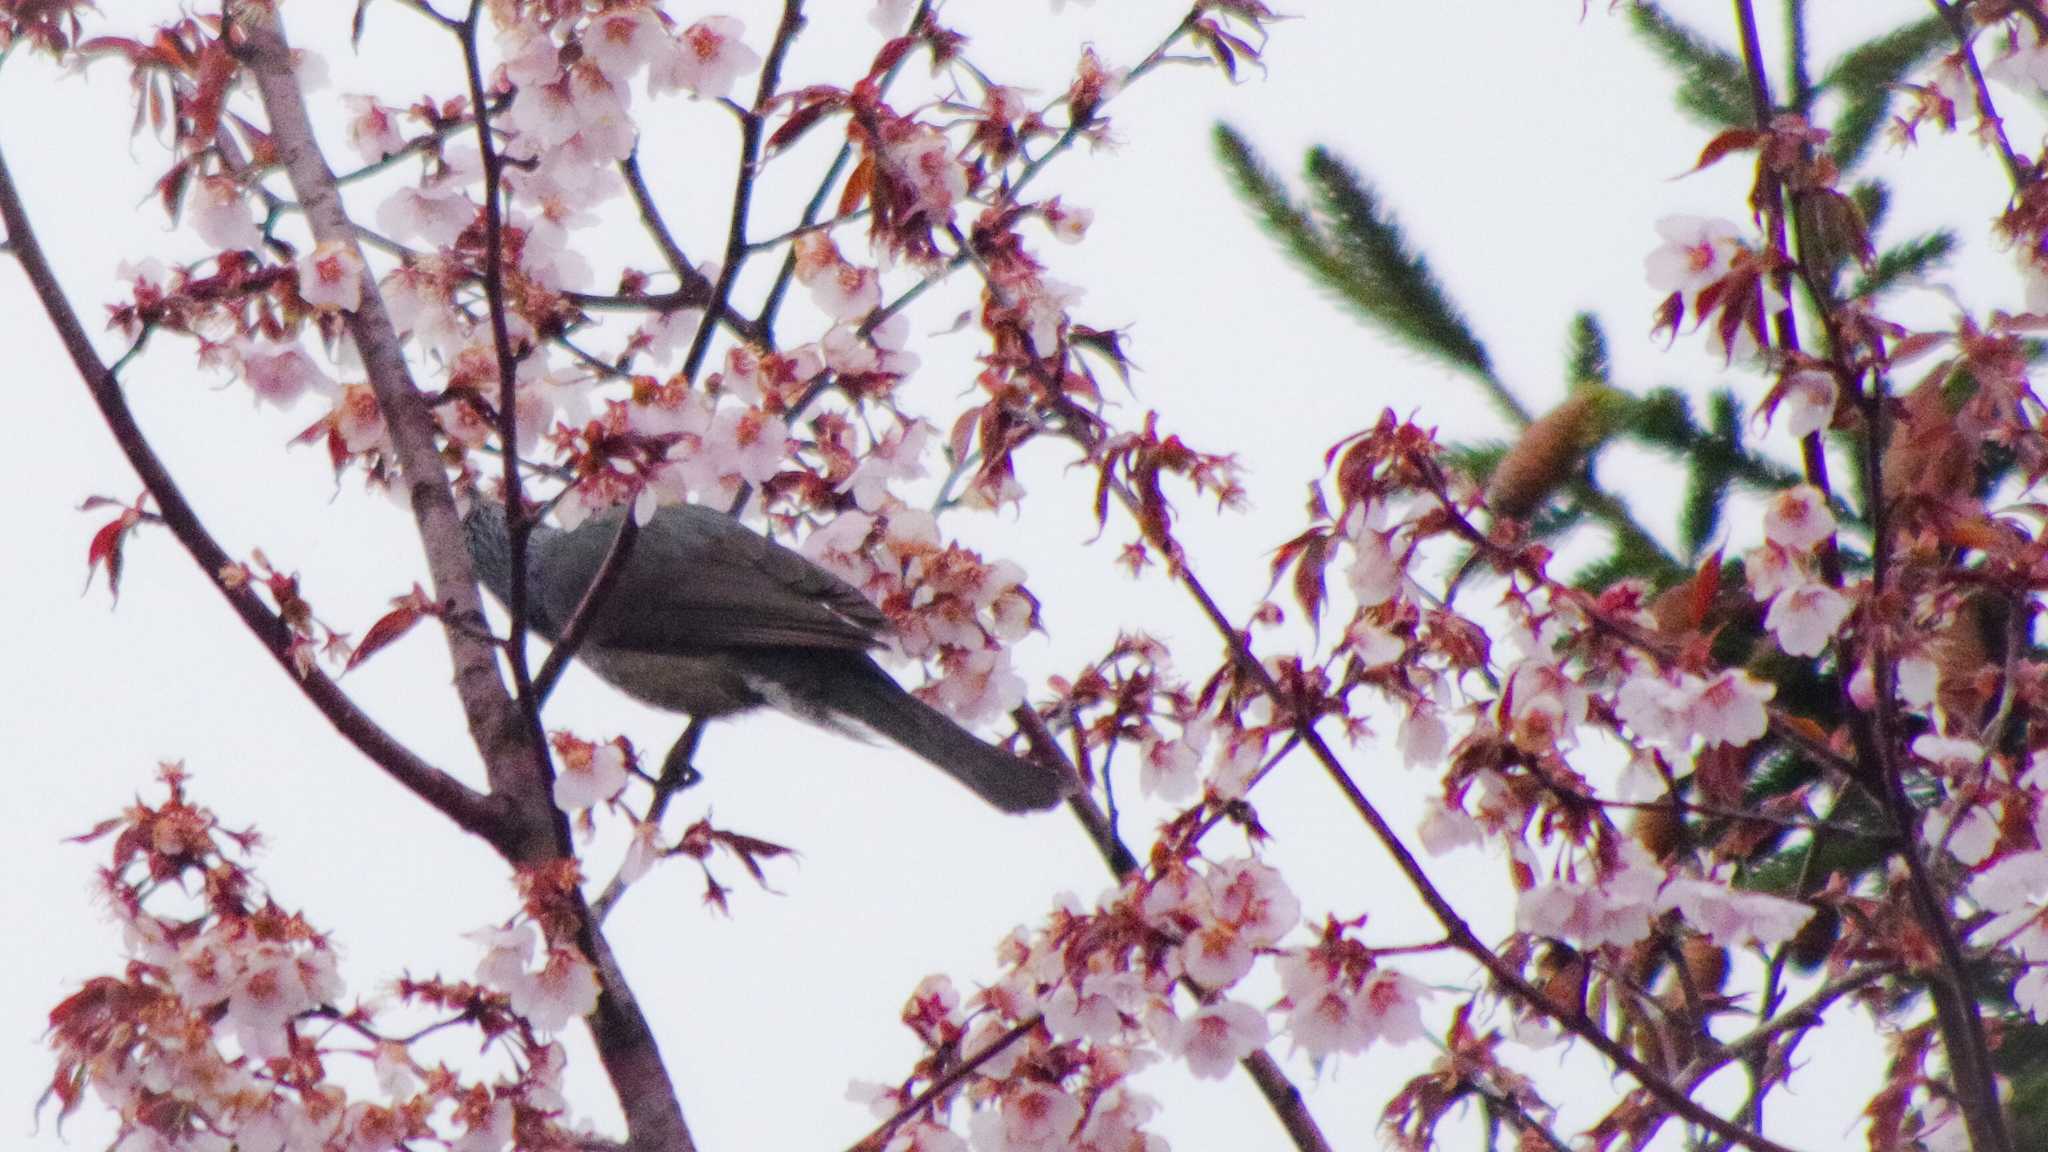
[471, 811]
[512, 760]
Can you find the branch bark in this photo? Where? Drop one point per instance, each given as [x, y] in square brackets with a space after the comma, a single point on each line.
[470, 810]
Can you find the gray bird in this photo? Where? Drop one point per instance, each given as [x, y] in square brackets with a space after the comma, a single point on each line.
[711, 618]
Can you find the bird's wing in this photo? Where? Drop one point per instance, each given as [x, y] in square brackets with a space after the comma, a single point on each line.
[699, 581]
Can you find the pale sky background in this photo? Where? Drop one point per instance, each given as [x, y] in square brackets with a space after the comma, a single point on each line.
[1528, 146]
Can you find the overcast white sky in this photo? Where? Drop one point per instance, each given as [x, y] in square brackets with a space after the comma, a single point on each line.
[1528, 147]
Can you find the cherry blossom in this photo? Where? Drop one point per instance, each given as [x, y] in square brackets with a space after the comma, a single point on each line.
[435, 214]
[623, 41]
[1805, 618]
[1731, 917]
[889, 16]
[1729, 709]
[1169, 769]
[564, 988]
[1798, 518]
[1031, 1117]
[1949, 753]
[1378, 568]
[1697, 251]
[1215, 1038]
[331, 276]
[279, 373]
[372, 130]
[217, 212]
[978, 686]
[711, 60]
[587, 774]
[1614, 910]
[1971, 834]
[1806, 402]
[922, 158]
[1069, 223]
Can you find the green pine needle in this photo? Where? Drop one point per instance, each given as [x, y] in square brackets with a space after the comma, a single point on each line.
[1705, 499]
[1873, 198]
[1590, 363]
[1905, 262]
[1713, 86]
[1267, 195]
[1864, 77]
[1386, 279]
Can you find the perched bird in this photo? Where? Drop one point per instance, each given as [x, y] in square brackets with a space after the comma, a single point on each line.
[710, 618]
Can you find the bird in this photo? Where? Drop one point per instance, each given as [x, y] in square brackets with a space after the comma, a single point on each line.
[708, 617]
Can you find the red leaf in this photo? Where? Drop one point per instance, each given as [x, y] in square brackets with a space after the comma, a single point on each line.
[106, 548]
[390, 627]
[1309, 588]
[1729, 142]
[859, 184]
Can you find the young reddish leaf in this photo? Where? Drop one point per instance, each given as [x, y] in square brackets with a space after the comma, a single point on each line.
[406, 612]
[1729, 142]
[859, 184]
[1310, 591]
[106, 549]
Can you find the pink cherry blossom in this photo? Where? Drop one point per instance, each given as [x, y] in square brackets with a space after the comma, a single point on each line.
[711, 61]
[1805, 618]
[357, 419]
[1656, 709]
[624, 41]
[1168, 769]
[924, 160]
[1729, 709]
[1423, 737]
[331, 276]
[216, 210]
[587, 775]
[1798, 518]
[1217, 955]
[276, 984]
[1616, 910]
[436, 214]
[2030, 992]
[1445, 829]
[492, 1133]
[1069, 224]
[1697, 251]
[890, 17]
[507, 952]
[1253, 897]
[531, 57]
[1115, 1123]
[979, 686]
[1030, 1117]
[1378, 570]
[1949, 753]
[372, 129]
[1972, 835]
[1806, 404]
[564, 989]
[2023, 66]
[1770, 569]
[1919, 680]
[279, 373]
[1732, 917]
[1092, 1006]
[1216, 1037]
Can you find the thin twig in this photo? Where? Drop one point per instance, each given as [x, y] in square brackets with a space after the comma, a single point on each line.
[471, 811]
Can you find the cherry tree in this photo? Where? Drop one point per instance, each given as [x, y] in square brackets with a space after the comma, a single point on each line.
[1729, 782]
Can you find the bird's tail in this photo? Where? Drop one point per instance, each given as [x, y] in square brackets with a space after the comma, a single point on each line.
[867, 694]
